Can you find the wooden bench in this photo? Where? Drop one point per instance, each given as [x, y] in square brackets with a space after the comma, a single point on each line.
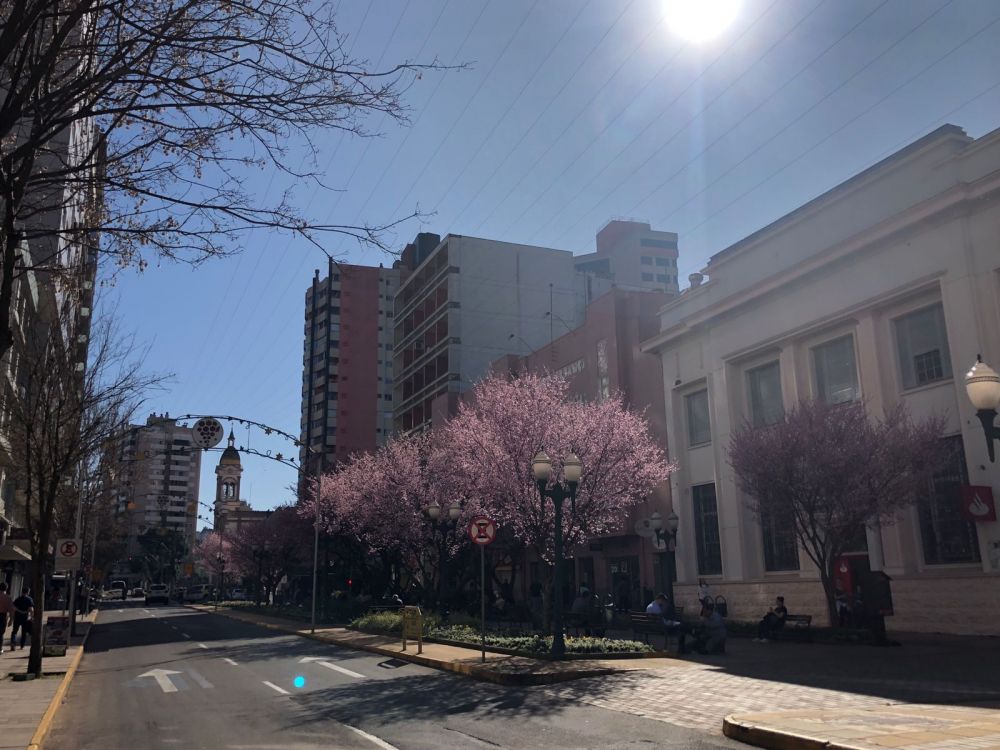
[646, 624]
[797, 627]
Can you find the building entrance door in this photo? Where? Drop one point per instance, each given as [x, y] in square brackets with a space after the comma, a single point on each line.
[623, 572]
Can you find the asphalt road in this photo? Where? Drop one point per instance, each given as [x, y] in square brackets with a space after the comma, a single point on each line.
[170, 677]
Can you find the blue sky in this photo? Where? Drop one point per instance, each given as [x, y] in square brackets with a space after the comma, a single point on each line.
[572, 112]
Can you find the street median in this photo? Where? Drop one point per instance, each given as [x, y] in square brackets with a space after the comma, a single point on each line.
[499, 668]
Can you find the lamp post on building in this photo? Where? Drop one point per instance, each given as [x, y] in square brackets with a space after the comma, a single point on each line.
[541, 467]
[669, 539]
[983, 386]
[443, 526]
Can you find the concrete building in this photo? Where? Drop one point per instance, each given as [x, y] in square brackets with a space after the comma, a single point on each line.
[231, 512]
[884, 289]
[464, 302]
[347, 376]
[161, 475]
[633, 256]
[600, 357]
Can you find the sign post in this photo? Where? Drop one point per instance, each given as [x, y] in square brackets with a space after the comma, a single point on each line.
[413, 627]
[482, 531]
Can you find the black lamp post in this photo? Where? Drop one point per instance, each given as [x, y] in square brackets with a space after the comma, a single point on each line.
[222, 578]
[260, 554]
[668, 560]
[983, 386]
[443, 526]
[541, 467]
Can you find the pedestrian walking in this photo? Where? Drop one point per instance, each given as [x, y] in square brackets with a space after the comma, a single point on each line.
[24, 610]
[6, 612]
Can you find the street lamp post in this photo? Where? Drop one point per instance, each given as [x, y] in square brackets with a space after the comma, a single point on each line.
[222, 578]
[541, 467]
[669, 538]
[443, 526]
[983, 386]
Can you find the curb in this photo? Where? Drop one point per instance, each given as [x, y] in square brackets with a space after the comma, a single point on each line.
[775, 739]
[50, 713]
[468, 670]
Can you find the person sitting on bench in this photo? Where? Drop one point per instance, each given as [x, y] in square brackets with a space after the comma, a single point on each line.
[662, 607]
[773, 621]
[711, 637]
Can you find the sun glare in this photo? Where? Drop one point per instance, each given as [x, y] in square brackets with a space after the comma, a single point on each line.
[700, 20]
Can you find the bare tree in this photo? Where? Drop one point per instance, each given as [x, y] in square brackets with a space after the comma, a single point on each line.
[140, 121]
[60, 418]
[828, 471]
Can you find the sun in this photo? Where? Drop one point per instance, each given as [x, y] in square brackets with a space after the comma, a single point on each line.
[700, 20]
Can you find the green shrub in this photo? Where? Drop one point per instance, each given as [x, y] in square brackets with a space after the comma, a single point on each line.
[538, 644]
[390, 622]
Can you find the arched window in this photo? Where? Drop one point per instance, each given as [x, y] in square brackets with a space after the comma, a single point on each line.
[228, 491]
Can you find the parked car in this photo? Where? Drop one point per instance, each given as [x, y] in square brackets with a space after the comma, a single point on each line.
[197, 593]
[158, 593]
[238, 595]
[119, 589]
[136, 592]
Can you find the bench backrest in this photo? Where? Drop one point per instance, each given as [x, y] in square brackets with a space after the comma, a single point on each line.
[799, 621]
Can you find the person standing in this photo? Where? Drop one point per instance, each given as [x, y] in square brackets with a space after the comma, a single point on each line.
[24, 610]
[6, 612]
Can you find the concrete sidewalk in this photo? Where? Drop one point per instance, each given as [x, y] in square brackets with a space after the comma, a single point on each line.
[29, 706]
[906, 727]
[498, 668]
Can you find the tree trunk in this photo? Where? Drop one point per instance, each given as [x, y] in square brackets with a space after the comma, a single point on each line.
[38, 591]
[830, 593]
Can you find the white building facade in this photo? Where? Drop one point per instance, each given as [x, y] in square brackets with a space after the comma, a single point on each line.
[884, 289]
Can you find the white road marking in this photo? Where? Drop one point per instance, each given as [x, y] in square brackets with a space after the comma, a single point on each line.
[120, 611]
[185, 635]
[230, 661]
[196, 676]
[372, 738]
[342, 670]
[162, 677]
[275, 687]
[202, 645]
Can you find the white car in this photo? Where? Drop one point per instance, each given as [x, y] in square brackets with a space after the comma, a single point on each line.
[238, 595]
[158, 593]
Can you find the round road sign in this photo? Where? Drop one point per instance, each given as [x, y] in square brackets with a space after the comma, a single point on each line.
[482, 530]
[68, 549]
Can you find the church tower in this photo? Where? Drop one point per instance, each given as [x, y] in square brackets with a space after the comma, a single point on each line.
[227, 482]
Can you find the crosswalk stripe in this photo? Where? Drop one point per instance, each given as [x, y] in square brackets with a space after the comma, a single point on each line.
[275, 687]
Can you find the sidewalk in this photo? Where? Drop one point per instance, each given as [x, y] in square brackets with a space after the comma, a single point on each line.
[29, 706]
[906, 727]
[498, 668]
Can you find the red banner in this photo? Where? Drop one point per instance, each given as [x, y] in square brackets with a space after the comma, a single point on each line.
[977, 503]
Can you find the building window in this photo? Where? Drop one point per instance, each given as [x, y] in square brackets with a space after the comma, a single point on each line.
[647, 277]
[662, 278]
[922, 343]
[706, 529]
[698, 424]
[836, 371]
[603, 380]
[666, 244]
[663, 261]
[947, 536]
[781, 551]
[764, 386]
[646, 260]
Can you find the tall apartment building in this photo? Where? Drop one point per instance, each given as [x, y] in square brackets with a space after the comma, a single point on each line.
[465, 301]
[633, 256]
[347, 368]
[161, 473]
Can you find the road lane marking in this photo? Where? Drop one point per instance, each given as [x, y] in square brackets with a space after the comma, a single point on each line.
[372, 738]
[275, 687]
[227, 659]
[185, 635]
[202, 645]
[196, 676]
[162, 677]
[342, 670]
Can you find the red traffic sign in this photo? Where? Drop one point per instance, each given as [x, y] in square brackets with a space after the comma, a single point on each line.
[482, 530]
[68, 548]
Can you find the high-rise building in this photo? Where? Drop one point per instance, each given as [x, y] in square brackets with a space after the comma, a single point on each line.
[347, 369]
[465, 301]
[161, 473]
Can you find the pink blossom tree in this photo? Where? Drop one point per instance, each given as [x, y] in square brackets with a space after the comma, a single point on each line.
[266, 551]
[209, 550]
[497, 432]
[829, 470]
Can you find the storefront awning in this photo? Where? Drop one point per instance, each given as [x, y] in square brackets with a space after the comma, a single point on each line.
[16, 550]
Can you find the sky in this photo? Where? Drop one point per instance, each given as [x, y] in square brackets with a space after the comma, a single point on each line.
[569, 113]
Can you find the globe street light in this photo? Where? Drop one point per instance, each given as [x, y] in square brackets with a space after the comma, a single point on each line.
[669, 540]
[541, 468]
[443, 526]
[983, 386]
